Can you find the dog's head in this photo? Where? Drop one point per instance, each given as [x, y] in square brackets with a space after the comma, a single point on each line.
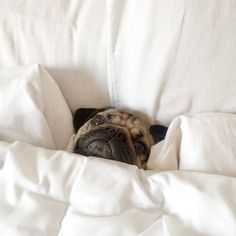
[115, 134]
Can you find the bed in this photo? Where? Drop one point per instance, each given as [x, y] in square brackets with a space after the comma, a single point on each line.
[172, 60]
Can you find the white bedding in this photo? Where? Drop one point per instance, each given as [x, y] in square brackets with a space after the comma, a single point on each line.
[32, 108]
[67, 194]
[169, 59]
[164, 58]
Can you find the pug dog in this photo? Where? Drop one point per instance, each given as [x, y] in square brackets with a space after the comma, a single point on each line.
[114, 134]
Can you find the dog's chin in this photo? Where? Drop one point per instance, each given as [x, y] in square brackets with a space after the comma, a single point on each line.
[113, 150]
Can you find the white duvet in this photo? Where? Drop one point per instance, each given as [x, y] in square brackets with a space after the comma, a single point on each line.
[46, 192]
[189, 188]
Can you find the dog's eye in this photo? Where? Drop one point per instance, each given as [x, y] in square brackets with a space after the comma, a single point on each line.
[98, 120]
[140, 147]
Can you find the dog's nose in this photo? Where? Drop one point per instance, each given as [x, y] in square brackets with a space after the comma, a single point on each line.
[116, 132]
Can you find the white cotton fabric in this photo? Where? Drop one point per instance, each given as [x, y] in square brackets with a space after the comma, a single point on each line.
[67, 37]
[168, 58]
[67, 194]
[33, 109]
[201, 142]
[163, 58]
[208, 143]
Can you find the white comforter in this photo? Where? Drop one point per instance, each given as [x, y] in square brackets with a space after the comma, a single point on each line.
[47, 192]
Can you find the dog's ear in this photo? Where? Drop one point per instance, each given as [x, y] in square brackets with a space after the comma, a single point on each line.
[158, 132]
[82, 115]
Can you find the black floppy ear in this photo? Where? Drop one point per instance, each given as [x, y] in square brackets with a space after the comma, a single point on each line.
[158, 132]
[82, 115]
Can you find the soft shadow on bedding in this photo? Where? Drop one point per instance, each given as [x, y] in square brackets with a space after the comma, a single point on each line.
[80, 88]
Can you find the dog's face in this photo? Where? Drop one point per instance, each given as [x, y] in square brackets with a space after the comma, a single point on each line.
[113, 134]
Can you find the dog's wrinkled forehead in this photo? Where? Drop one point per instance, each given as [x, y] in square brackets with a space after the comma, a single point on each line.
[123, 118]
[136, 125]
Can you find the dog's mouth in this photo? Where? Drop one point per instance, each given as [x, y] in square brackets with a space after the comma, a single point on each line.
[108, 144]
[100, 148]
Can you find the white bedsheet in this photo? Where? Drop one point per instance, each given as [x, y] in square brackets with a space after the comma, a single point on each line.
[164, 58]
[68, 37]
[172, 57]
[46, 192]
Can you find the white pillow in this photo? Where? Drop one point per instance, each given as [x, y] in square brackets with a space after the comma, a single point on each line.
[32, 108]
[208, 143]
[203, 142]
